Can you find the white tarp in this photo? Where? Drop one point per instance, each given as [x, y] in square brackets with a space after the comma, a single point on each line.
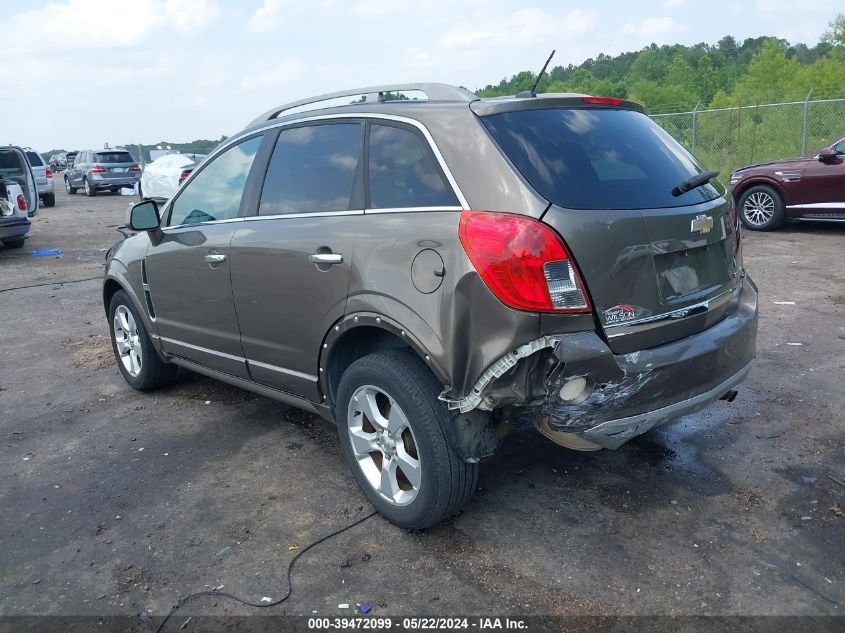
[161, 177]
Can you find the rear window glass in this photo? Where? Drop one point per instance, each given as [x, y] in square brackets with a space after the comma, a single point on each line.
[113, 157]
[403, 171]
[597, 159]
[314, 169]
[34, 159]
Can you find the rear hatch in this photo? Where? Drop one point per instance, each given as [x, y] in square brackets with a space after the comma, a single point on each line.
[117, 165]
[658, 266]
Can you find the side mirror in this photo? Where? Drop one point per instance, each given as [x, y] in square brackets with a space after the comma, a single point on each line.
[827, 155]
[143, 216]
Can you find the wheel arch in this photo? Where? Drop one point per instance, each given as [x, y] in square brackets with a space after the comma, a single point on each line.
[115, 281]
[755, 181]
[360, 334]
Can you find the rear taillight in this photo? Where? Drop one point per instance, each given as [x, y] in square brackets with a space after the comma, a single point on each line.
[97, 169]
[523, 262]
[602, 101]
[185, 173]
[21, 202]
[49, 173]
[135, 168]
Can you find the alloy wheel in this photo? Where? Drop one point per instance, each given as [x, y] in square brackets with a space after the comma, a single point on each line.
[127, 341]
[384, 445]
[759, 208]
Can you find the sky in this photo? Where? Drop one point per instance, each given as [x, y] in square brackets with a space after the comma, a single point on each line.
[81, 73]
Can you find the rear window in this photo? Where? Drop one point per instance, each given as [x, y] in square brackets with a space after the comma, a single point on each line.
[403, 172]
[597, 158]
[113, 157]
[34, 159]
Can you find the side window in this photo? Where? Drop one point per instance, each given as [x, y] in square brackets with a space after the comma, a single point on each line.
[840, 147]
[403, 171]
[215, 193]
[314, 169]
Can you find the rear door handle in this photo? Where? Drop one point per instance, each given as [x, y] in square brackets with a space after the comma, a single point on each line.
[326, 258]
[215, 258]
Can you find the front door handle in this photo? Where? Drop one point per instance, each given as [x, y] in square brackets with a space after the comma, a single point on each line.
[215, 258]
[326, 258]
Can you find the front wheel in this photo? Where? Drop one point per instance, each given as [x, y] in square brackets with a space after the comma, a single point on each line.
[761, 208]
[136, 357]
[392, 431]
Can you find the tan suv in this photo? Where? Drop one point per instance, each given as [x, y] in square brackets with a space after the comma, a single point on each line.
[424, 271]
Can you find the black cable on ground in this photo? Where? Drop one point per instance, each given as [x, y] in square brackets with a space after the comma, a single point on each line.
[263, 605]
[52, 283]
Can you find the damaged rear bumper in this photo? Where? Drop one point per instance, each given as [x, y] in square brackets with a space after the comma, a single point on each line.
[632, 393]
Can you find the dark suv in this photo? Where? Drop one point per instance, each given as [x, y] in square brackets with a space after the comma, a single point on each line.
[95, 170]
[426, 272]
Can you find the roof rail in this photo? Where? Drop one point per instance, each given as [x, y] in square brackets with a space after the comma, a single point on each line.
[375, 94]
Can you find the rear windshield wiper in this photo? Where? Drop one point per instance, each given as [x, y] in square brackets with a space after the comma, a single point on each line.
[694, 182]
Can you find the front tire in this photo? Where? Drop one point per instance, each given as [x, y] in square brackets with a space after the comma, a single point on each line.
[761, 208]
[136, 357]
[89, 190]
[392, 430]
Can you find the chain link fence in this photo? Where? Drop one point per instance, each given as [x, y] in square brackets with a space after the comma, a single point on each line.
[728, 138]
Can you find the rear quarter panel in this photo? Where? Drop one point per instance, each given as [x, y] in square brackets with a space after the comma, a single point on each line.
[462, 326]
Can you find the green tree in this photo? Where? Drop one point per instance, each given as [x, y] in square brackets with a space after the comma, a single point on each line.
[836, 32]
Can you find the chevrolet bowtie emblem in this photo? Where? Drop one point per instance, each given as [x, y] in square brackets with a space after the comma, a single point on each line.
[701, 224]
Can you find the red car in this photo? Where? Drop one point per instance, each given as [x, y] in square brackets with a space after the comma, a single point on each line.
[809, 188]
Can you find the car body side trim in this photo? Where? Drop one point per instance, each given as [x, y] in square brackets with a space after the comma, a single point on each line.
[205, 350]
[166, 229]
[411, 209]
[818, 205]
[282, 370]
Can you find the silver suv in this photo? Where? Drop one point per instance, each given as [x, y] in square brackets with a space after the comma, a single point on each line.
[425, 272]
[95, 170]
[43, 178]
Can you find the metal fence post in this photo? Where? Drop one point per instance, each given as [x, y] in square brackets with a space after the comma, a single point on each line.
[694, 125]
[804, 131]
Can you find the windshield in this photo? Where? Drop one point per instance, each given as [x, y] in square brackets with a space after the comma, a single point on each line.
[598, 158]
[113, 157]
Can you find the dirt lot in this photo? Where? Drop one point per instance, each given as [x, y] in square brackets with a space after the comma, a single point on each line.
[115, 502]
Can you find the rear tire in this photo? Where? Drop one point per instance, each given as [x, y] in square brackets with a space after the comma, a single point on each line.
[68, 187]
[16, 243]
[140, 193]
[49, 199]
[407, 433]
[761, 208]
[89, 190]
[133, 349]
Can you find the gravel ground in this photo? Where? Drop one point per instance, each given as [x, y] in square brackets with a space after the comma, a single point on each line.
[116, 502]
